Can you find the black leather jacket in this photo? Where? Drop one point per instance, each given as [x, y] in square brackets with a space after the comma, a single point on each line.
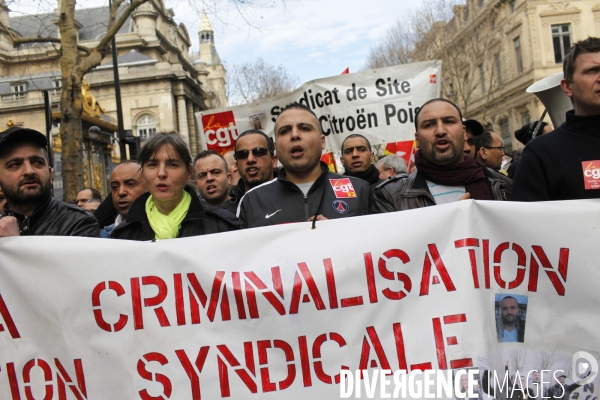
[405, 192]
[199, 220]
[55, 218]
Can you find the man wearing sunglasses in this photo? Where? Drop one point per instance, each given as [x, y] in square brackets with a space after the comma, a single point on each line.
[256, 162]
[305, 189]
[489, 150]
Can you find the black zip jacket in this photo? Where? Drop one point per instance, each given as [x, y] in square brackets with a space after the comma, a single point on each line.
[199, 220]
[280, 201]
[55, 218]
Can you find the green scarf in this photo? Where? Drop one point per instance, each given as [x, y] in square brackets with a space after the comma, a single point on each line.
[167, 226]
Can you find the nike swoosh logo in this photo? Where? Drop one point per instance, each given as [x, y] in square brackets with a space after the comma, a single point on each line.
[270, 215]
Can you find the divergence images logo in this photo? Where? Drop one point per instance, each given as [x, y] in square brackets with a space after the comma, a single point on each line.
[220, 131]
[584, 367]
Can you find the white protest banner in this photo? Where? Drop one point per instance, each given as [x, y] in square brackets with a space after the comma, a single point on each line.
[278, 312]
[379, 104]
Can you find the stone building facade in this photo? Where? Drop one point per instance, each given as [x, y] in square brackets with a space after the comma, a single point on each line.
[506, 45]
[162, 85]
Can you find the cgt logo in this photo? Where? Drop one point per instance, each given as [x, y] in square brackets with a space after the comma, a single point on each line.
[342, 188]
[592, 171]
[220, 131]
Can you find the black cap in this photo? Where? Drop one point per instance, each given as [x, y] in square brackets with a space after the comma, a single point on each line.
[474, 126]
[17, 134]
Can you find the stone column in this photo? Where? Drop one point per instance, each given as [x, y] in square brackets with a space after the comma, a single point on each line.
[199, 133]
[182, 118]
[192, 129]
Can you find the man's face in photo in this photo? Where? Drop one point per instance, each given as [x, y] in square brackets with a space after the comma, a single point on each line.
[510, 311]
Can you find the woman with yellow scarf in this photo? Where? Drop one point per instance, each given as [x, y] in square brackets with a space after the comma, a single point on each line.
[170, 209]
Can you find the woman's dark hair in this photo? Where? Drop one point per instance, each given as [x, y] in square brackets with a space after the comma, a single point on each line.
[160, 139]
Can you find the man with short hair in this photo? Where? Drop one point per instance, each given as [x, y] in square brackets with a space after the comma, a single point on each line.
[489, 150]
[390, 166]
[305, 189]
[89, 199]
[444, 174]
[357, 159]
[565, 163]
[126, 185]
[232, 168]
[26, 180]
[256, 162]
[511, 328]
[473, 129]
[212, 179]
[536, 387]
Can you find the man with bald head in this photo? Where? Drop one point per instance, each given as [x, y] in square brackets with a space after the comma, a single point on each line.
[444, 174]
[305, 189]
[126, 185]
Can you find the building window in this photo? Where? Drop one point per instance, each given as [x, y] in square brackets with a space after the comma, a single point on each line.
[518, 54]
[20, 90]
[513, 6]
[498, 66]
[525, 118]
[146, 126]
[56, 86]
[561, 39]
[493, 23]
[482, 77]
[505, 133]
[480, 3]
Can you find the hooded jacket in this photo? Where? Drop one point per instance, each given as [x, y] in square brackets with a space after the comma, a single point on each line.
[280, 201]
[55, 218]
[199, 220]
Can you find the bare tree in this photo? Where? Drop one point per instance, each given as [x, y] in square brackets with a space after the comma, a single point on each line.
[518, 360]
[255, 80]
[545, 360]
[395, 48]
[446, 30]
[75, 61]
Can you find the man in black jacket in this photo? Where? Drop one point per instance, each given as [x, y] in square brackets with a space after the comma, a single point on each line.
[444, 174]
[357, 159]
[304, 188]
[256, 163]
[25, 178]
[565, 163]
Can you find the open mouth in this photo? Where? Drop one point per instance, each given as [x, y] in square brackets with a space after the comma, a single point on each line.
[252, 171]
[162, 187]
[211, 189]
[297, 151]
[442, 144]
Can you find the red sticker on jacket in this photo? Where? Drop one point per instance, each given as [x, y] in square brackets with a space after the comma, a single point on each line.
[342, 188]
[591, 174]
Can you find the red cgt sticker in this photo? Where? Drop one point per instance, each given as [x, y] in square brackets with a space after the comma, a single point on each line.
[342, 188]
[591, 174]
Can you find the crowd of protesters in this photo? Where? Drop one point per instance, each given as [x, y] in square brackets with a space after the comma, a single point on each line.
[457, 159]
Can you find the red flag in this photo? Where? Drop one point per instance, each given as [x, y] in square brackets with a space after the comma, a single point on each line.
[405, 150]
[329, 159]
[346, 71]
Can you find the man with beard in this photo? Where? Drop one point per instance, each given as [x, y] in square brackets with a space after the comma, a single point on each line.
[357, 159]
[256, 162]
[510, 328]
[443, 173]
[126, 185]
[25, 179]
[305, 189]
